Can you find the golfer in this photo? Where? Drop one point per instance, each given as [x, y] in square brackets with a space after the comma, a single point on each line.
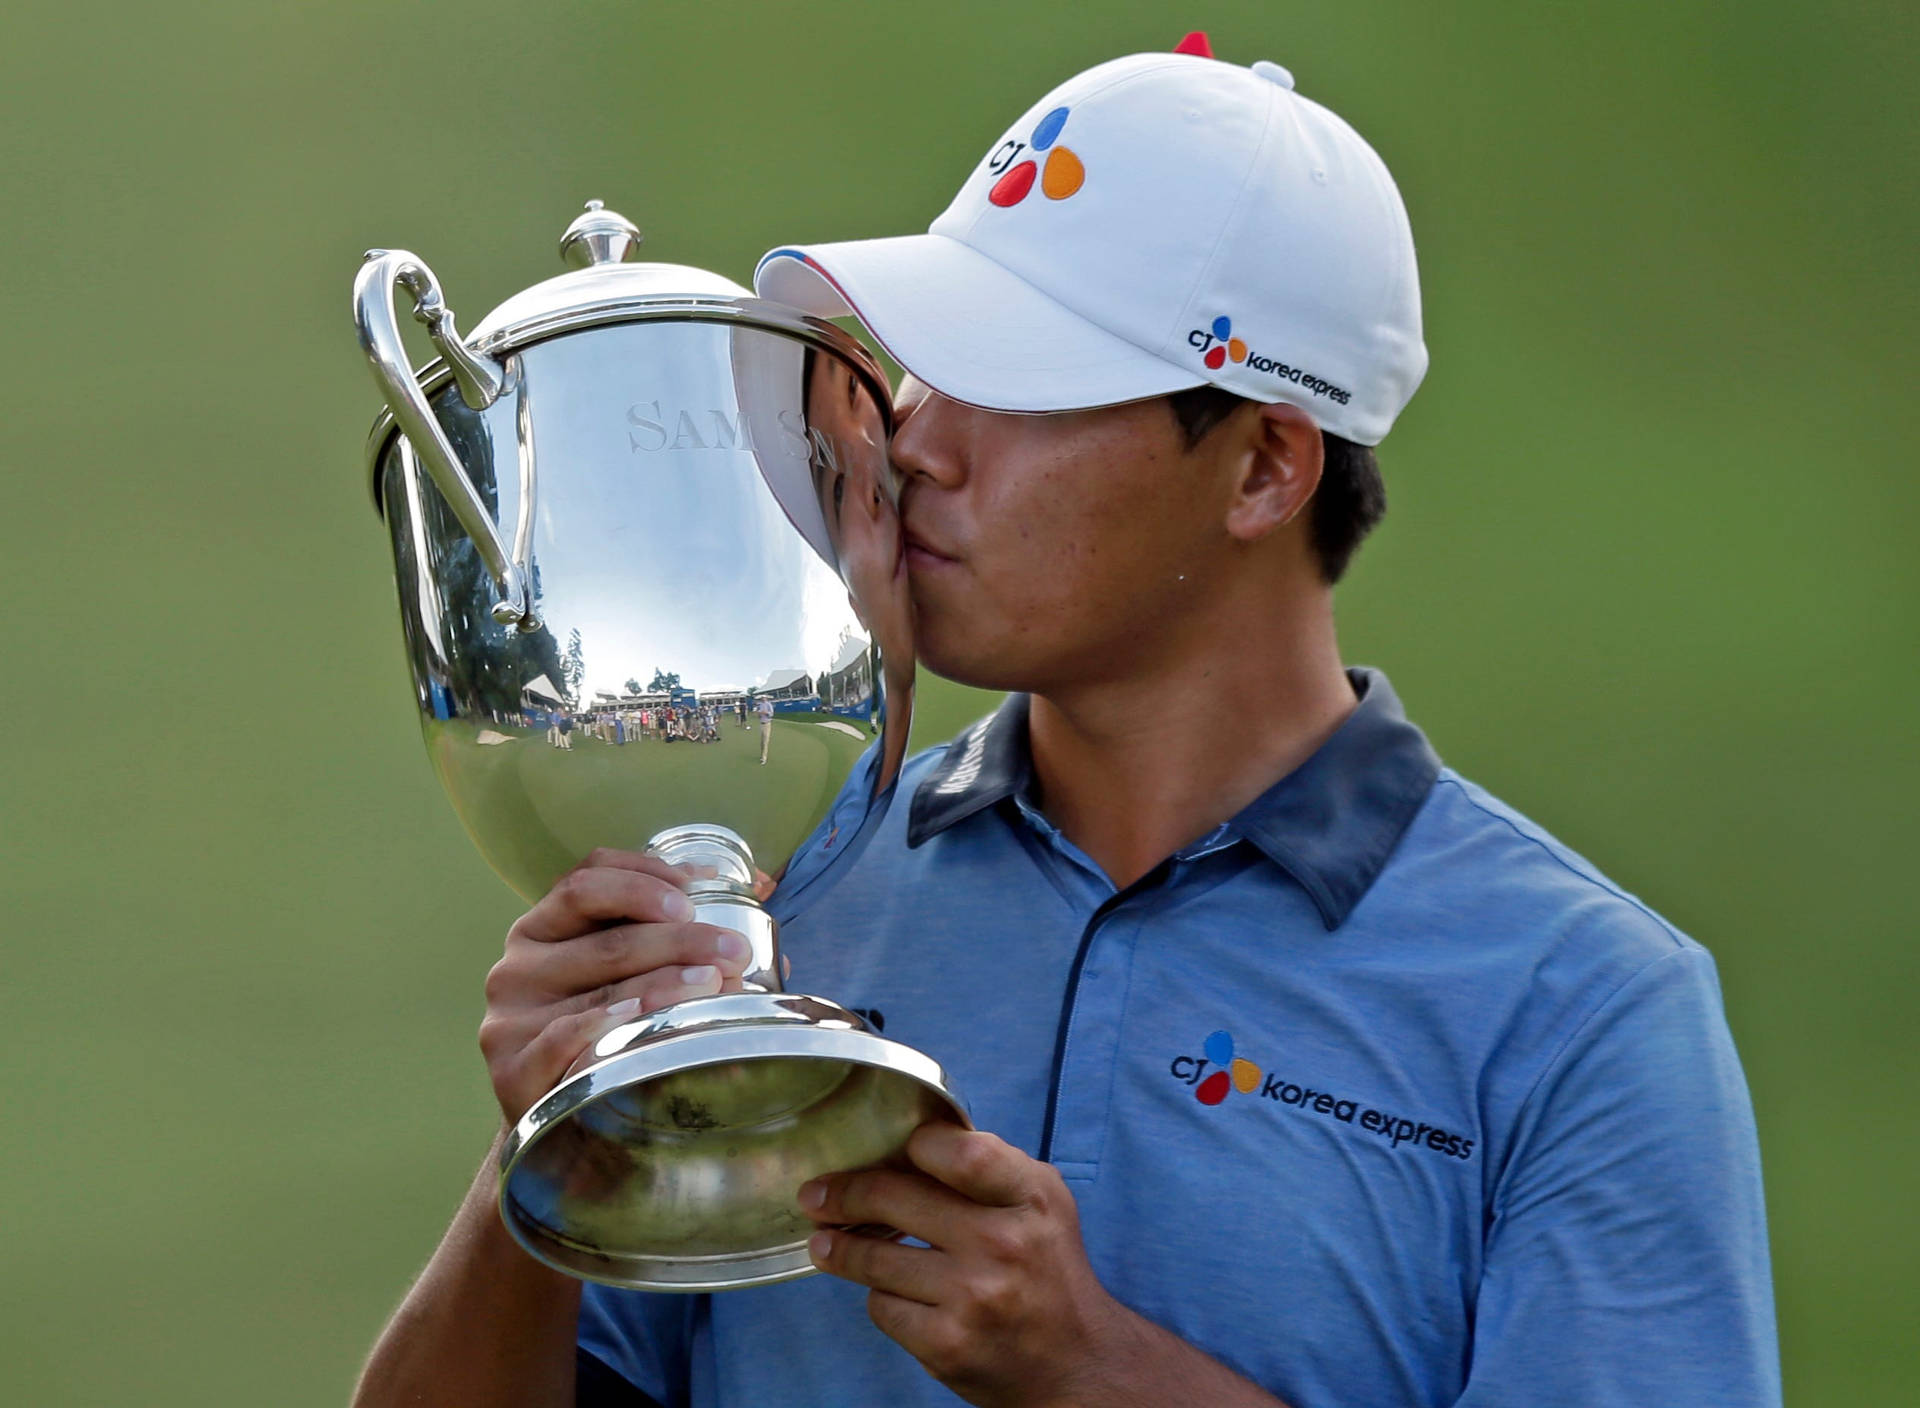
[765, 711]
[1304, 1070]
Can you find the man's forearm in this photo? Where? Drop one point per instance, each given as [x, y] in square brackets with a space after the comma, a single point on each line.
[485, 1324]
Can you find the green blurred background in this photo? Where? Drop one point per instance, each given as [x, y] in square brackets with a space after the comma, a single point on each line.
[1649, 574]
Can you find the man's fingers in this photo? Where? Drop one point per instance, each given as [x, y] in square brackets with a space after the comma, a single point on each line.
[528, 1071]
[607, 858]
[980, 1167]
[666, 986]
[911, 1324]
[602, 957]
[589, 898]
[536, 1034]
[931, 1334]
[562, 1040]
[916, 1205]
[911, 1273]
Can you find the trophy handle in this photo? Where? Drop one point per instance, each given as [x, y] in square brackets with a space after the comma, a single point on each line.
[481, 381]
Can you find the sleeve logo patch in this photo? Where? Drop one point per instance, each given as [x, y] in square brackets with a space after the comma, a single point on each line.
[1219, 1072]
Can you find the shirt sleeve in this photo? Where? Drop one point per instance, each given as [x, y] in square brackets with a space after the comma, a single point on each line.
[1626, 1255]
[643, 1337]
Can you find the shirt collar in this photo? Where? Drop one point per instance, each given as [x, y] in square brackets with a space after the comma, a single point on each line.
[1331, 823]
[983, 765]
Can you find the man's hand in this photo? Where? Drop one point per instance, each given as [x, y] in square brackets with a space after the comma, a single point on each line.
[486, 1323]
[1001, 1305]
[613, 938]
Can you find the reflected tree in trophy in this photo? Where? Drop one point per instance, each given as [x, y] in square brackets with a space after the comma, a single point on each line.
[639, 472]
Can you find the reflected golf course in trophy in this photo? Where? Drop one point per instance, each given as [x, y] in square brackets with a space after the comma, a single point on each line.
[649, 561]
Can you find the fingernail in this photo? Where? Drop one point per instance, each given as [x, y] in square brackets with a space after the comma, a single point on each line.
[818, 1247]
[733, 946]
[813, 1195]
[677, 906]
[699, 976]
[625, 1007]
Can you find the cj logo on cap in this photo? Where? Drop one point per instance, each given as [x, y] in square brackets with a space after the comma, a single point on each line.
[1229, 1074]
[1219, 344]
[1064, 172]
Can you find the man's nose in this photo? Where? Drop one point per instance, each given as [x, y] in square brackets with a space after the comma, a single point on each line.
[930, 440]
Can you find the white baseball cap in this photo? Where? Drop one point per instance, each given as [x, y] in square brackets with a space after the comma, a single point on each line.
[1158, 222]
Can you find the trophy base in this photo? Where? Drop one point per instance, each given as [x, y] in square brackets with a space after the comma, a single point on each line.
[672, 1161]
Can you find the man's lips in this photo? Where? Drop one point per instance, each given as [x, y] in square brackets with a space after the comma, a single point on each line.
[919, 545]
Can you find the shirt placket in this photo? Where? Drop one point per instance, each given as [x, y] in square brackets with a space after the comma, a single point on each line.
[1093, 1010]
[1090, 1040]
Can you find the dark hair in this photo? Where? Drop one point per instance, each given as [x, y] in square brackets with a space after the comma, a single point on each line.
[1351, 498]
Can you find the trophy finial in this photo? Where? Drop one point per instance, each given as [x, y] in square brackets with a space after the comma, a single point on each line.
[600, 236]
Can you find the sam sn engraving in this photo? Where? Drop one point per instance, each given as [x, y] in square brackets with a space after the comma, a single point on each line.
[655, 429]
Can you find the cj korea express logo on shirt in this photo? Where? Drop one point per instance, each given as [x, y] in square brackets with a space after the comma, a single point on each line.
[1220, 1073]
[1217, 346]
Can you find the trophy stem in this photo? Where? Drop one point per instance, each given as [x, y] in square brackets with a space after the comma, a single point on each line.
[727, 897]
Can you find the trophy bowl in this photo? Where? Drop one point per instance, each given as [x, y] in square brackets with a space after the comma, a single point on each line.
[651, 581]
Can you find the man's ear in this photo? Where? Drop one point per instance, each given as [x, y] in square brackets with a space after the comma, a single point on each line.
[1277, 463]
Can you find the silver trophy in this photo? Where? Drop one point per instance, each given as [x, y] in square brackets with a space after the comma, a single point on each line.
[650, 571]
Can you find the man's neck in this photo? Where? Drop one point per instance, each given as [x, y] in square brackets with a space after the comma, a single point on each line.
[1133, 770]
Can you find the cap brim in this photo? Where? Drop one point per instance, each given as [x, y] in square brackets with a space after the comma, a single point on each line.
[966, 326]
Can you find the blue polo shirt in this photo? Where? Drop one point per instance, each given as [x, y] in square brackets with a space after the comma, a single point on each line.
[1378, 1094]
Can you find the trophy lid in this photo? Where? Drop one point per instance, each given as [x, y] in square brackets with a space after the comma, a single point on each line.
[602, 247]
[608, 284]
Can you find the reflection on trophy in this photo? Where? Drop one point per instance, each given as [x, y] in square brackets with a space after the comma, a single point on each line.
[703, 525]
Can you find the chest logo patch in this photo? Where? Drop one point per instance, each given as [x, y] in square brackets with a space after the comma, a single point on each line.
[1218, 1073]
[1230, 1073]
